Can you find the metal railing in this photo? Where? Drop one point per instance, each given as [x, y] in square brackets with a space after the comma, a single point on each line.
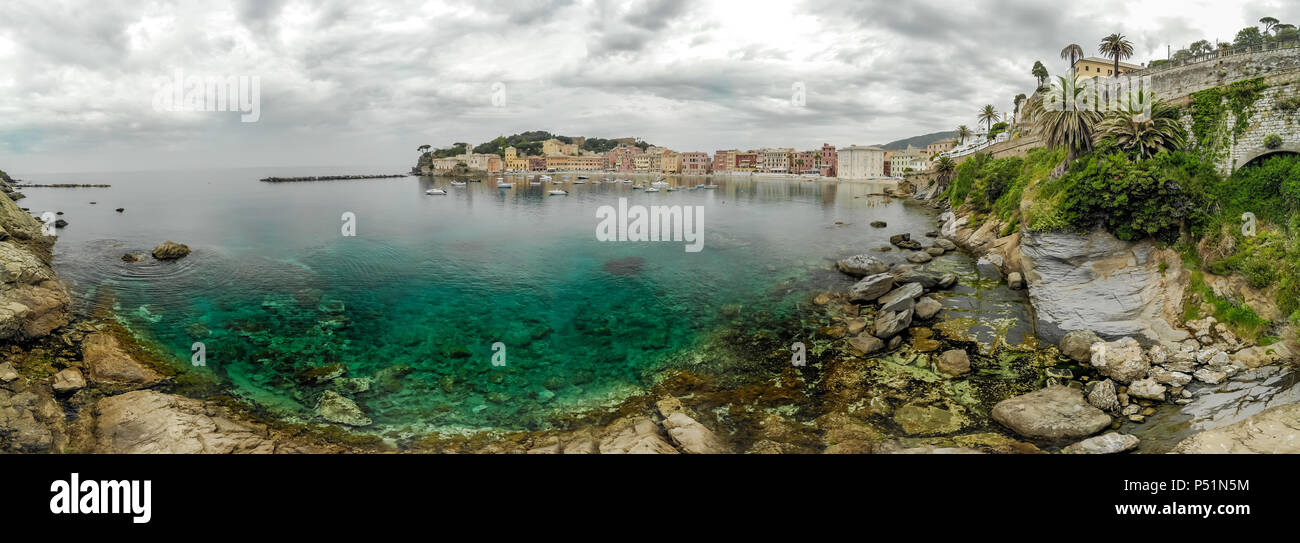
[1221, 52]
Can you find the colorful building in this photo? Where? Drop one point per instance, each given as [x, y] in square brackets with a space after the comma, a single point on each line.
[696, 163]
[828, 165]
[724, 160]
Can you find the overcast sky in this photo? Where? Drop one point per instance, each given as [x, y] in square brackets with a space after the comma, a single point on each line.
[350, 82]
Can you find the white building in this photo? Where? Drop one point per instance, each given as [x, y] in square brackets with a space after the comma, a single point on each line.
[859, 162]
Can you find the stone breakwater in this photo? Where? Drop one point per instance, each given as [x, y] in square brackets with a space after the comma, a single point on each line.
[328, 178]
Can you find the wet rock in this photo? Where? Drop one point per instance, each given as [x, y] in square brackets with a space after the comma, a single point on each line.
[7, 372]
[170, 250]
[1272, 431]
[862, 266]
[866, 344]
[1078, 345]
[919, 258]
[990, 266]
[904, 241]
[927, 307]
[947, 281]
[1055, 412]
[1015, 281]
[954, 363]
[856, 326]
[1103, 396]
[147, 421]
[904, 274]
[945, 244]
[110, 365]
[1122, 360]
[334, 407]
[31, 421]
[68, 380]
[901, 298]
[1147, 389]
[1108, 443]
[889, 324]
[871, 288]
[691, 436]
[879, 224]
[934, 251]
[133, 257]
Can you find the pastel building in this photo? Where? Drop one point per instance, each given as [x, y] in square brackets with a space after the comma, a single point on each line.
[695, 163]
[724, 160]
[860, 162]
[828, 163]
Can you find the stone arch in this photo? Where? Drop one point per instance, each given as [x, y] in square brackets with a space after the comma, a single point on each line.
[1260, 153]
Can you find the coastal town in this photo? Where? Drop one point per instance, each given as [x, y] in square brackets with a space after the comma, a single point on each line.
[568, 155]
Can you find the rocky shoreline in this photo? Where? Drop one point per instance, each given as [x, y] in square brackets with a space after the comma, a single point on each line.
[885, 373]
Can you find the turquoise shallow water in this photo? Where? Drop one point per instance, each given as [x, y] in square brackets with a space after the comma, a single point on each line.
[416, 300]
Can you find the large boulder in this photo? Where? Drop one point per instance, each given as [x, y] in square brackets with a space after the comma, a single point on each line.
[170, 250]
[1272, 431]
[334, 407]
[30, 419]
[862, 265]
[1122, 360]
[1097, 282]
[871, 287]
[147, 421]
[110, 365]
[1053, 413]
[907, 273]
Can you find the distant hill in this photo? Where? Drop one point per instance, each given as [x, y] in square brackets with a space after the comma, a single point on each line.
[919, 141]
[530, 143]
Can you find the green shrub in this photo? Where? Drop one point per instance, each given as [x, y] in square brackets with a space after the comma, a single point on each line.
[1132, 200]
[1272, 141]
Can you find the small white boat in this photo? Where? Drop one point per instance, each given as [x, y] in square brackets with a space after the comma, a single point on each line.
[579, 181]
[708, 186]
[458, 183]
[652, 189]
[660, 184]
[436, 192]
[557, 192]
[671, 189]
[534, 182]
[544, 178]
[501, 185]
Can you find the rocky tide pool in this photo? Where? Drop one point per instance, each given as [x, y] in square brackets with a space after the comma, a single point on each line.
[485, 308]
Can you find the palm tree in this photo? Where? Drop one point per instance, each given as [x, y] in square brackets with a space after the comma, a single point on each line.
[1143, 135]
[1268, 23]
[963, 132]
[1072, 53]
[1116, 47]
[1040, 72]
[945, 167]
[1063, 126]
[988, 116]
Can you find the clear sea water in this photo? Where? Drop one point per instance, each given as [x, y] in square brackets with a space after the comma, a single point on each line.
[419, 296]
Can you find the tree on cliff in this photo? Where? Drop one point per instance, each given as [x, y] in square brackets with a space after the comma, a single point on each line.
[1117, 48]
[963, 132]
[1063, 121]
[1269, 23]
[1040, 73]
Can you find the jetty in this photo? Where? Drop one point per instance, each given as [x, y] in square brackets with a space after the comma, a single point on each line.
[328, 178]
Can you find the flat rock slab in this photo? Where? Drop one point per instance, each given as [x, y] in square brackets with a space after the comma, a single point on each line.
[1272, 431]
[111, 365]
[1053, 413]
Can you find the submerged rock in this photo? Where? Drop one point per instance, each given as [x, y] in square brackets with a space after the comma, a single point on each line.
[625, 267]
[929, 419]
[133, 257]
[1054, 413]
[904, 241]
[927, 307]
[866, 344]
[334, 407]
[1108, 443]
[919, 258]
